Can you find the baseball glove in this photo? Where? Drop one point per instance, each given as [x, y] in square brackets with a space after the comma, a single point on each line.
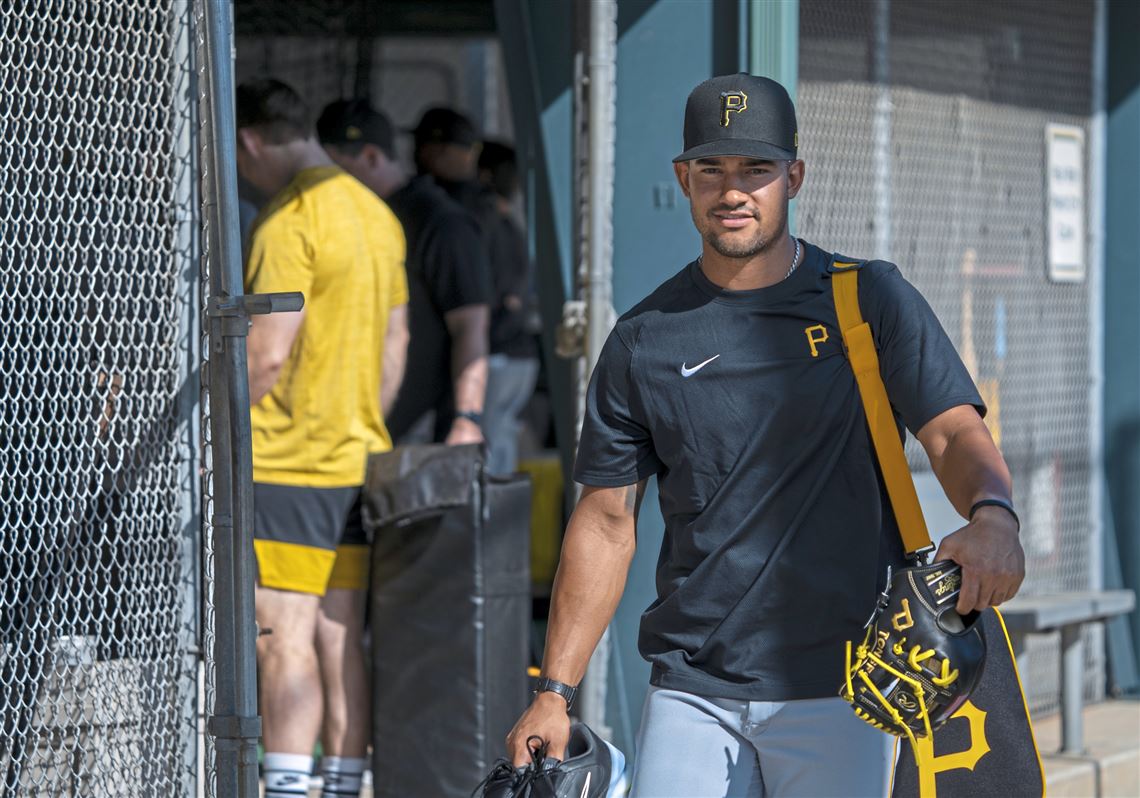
[920, 659]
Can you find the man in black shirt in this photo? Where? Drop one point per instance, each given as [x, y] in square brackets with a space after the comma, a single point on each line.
[731, 385]
[513, 364]
[446, 147]
[449, 284]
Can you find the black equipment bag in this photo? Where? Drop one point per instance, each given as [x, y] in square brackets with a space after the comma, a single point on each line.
[987, 747]
[450, 616]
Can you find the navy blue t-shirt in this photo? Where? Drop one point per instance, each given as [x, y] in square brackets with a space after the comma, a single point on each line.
[778, 529]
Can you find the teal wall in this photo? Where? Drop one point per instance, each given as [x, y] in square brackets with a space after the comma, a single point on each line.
[536, 45]
[1122, 294]
[664, 49]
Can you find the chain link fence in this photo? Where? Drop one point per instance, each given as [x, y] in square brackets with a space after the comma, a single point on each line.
[924, 132]
[98, 395]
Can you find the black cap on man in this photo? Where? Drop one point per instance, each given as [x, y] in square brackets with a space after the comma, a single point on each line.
[350, 124]
[446, 147]
[742, 115]
[445, 126]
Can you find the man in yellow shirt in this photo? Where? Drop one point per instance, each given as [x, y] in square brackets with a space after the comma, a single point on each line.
[321, 381]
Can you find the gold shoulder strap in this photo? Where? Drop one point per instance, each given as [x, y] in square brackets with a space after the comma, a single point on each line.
[865, 362]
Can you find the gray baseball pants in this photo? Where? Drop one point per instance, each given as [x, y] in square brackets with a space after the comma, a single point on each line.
[691, 746]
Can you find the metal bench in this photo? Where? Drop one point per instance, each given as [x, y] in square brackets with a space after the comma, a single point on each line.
[1066, 612]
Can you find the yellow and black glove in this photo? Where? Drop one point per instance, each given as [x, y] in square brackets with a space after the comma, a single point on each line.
[920, 659]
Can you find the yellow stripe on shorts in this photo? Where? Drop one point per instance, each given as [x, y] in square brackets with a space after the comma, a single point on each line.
[291, 566]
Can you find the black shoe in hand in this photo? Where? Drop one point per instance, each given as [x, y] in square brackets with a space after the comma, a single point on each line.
[587, 771]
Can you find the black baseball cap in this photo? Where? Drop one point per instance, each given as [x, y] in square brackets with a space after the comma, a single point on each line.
[445, 126]
[741, 114]
[355, 122]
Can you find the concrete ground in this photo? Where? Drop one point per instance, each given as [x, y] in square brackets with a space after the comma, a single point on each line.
[1111, 763]
[1110, 767]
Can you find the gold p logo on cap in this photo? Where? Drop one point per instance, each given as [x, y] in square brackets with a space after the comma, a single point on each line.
[731, 102]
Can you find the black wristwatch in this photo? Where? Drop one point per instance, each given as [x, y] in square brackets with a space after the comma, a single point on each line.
[472, 416]
[545, 685]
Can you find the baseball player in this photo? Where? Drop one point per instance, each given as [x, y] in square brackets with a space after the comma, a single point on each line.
[730, 384]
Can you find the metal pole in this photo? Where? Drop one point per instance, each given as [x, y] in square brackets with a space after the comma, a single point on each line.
[882, 130]
[772, 45]
[1072, 650]
[602, 73]
[1095, 253]
[235, 724]
[1095, 227]
[1072, 689]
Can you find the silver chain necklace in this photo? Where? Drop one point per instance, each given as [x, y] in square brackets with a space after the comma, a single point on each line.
[795, 259]
[792, 268]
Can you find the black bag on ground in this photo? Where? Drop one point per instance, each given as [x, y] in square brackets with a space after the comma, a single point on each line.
[450, 616]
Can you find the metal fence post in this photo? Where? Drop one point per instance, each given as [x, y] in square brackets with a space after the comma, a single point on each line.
[235, 724]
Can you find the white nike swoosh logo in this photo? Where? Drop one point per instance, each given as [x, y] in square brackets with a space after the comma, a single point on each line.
[586, 786]
[688, 372]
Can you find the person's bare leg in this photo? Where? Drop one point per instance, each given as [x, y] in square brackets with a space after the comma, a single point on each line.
[347, 693]
[288, 670]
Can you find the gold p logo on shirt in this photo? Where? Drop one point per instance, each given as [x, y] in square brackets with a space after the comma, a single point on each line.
[731, 102]
[816, 334]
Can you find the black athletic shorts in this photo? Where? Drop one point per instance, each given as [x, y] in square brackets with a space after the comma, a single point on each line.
[309, 539]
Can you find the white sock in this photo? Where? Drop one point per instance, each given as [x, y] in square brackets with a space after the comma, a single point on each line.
[287, 775]
[342, 776]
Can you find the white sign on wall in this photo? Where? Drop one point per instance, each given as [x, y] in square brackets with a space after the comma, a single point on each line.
[1065, 195]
